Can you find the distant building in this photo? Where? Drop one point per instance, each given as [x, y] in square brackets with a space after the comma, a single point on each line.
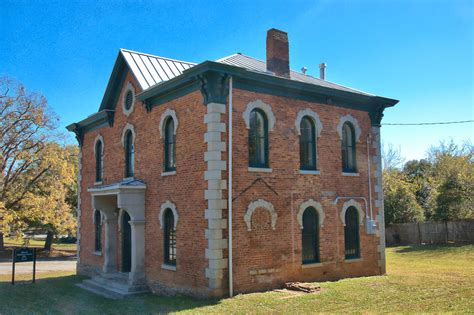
[153, 211]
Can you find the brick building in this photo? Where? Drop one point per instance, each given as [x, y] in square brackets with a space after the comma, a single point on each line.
[162, 207]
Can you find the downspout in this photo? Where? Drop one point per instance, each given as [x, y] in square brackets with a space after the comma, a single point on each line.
[229, 191]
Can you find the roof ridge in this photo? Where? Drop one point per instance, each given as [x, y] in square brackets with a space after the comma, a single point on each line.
[156, 56]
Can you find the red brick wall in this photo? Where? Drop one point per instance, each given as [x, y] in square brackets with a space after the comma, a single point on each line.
[185, 189]
[266, 258]
[263, 258]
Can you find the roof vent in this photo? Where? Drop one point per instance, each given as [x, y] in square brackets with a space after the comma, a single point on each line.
[322, 71]
[304, 69]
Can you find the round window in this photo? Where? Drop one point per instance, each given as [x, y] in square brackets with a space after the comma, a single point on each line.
[128, 100]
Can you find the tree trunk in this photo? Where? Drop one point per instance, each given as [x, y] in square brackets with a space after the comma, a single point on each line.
[1, 241]
[49, 241]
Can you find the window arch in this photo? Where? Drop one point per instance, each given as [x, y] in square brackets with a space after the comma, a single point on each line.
[169, 238]
[310, 236]
[307, 144]
[170, 145]
[258, 139]
[351, 233]
[98, 231]
[99, 147]
[129, 154]
[349, 163]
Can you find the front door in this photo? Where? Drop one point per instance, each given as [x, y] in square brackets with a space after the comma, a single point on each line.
[126, 243]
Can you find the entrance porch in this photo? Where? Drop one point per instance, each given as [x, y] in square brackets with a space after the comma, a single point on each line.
[122, 205]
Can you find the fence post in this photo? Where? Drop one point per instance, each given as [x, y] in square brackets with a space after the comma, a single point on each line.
[419, 233]
[446, 227]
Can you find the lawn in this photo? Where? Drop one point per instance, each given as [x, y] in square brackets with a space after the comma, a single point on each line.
[426, 278]
[37, 243]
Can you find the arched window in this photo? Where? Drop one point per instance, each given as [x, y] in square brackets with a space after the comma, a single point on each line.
[170, 238]
[170, 145]
[98, 231]
[348, 148]
[129, 154]
[351, 233]
[258, 139]
[310, 236]
[98, 161]
[307, 144]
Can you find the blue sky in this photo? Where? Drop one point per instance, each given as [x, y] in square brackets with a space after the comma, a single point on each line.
[420, 52]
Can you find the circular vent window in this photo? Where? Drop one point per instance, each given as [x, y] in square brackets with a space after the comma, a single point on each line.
[128, 100]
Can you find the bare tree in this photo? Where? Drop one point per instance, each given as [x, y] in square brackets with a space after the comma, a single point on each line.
[391, 158]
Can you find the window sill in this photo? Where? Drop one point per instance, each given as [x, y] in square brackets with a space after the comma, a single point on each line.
[168, 267]
[128, 178]
[168, 173]
[353, 260]
[312, 265]
[260, 169]
[310, 172]
[96, 253]
[350, 174]
[98, 183]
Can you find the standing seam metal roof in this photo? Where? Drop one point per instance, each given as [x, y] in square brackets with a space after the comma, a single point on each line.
[151, 70]
[256, 65]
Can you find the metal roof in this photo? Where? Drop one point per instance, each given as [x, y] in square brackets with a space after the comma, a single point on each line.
[151, 70]
[252, 64]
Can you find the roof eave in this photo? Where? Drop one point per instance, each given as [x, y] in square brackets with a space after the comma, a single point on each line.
[193, 73]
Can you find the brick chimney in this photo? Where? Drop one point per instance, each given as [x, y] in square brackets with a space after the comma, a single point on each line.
[278, 57]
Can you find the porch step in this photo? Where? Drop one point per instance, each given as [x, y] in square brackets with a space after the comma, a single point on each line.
[112, 287]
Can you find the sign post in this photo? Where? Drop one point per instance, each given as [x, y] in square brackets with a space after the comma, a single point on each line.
[24, 254]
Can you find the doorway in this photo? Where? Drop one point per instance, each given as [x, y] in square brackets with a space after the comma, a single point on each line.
[126, 243]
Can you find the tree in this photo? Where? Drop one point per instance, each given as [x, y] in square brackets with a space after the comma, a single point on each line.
[392, 158]
[32, 169]
[46, 207]
[454, 169]
[420, 174]
[400, 203]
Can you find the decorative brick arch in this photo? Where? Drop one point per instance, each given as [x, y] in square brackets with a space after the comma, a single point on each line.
[101, 139]
[313, 116]
[355, 124]
[168, 205]
[347, 205]
[260, 203]
[130, 127]
[267, 109]
[305, 205]
[168, 113]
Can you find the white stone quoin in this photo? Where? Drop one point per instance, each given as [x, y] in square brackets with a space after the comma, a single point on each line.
[216, 204]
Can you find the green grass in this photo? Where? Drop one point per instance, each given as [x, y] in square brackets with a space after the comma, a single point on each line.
[419, 279]
[9, 242]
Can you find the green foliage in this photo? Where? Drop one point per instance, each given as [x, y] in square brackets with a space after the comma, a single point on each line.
[400, 201]
[441, 185]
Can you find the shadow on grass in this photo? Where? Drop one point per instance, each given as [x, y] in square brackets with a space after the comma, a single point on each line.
[60, 294]
[430, 247]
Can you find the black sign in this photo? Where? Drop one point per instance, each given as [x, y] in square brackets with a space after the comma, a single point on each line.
[23, 254]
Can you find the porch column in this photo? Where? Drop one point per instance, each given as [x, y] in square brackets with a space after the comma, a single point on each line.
[110, 254]
[137, 273]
